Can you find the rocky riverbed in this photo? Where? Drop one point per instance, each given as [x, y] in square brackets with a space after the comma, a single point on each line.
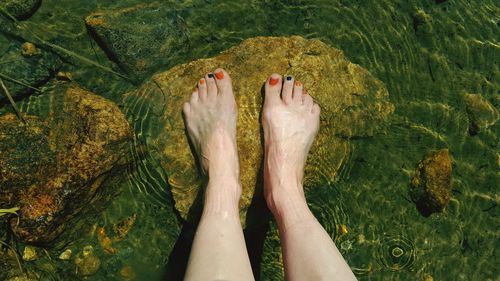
[410, 92]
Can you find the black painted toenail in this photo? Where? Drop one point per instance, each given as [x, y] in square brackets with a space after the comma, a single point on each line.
[289, 78]
[210, 75]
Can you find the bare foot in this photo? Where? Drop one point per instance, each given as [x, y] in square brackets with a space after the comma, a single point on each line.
[290, 120]
[210, 118]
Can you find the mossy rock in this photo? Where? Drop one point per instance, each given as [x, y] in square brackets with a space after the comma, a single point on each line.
[431, 182]
[30, 66]
[140, 38]
[52, 169]
[482, 114]
[354, 104]
[149, 37]
[20, 9]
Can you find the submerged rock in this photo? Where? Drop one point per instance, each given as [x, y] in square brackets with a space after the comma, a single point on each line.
[140, 38]
[423, 27]
[149, 37]
[122, 227]
[354, 104]
[66, 255]
[29, 253]
[52, 169]
[87, 263]
[105, 241]
[431, 182]
[20, 9]
[127, 272]
[29, 49]
[482, 114]
[421, 21]
[28, 65]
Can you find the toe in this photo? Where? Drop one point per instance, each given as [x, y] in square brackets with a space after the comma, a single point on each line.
[316, 109]
[307, 101]
[186, 108]
[273, 89]
[202, 89]
[297, 92]
[223, 82]
[195, 97]
[211, 86]
[286, 94]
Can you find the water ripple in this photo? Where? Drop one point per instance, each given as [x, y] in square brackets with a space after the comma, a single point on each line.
[396, 253]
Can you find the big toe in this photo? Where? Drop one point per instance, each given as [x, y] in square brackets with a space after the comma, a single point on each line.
[223, 81]
[273, 89]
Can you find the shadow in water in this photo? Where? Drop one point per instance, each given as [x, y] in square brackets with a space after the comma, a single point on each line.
[178, 259]
[258, 215]
[258, 218]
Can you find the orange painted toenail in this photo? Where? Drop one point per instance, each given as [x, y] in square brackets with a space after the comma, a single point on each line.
[273, 81]
[202, 81]
[219, 75]
[298, 84]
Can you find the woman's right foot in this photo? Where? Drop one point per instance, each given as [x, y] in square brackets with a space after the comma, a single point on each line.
[290, 119]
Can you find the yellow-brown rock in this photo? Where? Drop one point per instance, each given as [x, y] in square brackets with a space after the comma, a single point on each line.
[431, 182]
[29, 49]
[122, 227]
[87, 263]
[354, 104]
[127, 272]
[29, 253]
[482, 114]
[51, 169]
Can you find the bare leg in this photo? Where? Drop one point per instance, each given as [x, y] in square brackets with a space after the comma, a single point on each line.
[219, 251]
[291, 120]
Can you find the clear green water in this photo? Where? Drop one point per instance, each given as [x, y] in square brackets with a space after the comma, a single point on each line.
[427, 72]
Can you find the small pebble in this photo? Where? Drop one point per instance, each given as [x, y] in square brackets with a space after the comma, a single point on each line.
[361, 238]
[342, 229]
[127, 272]
[66, 255]
[29, 253]
[29, 49]
[427, 277]
[89, 264]
[88, 250]
[64, 76]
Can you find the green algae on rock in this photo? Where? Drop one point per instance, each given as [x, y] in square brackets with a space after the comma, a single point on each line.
[431, 182]
[354, 104]
[140, 38]
[482, 114]
[22, 73]
[53, 168]
[20, 9]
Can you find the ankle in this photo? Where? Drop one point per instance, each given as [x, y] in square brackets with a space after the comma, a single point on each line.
[221, 160]
[283, 197]
[280, 168]
[222, 196]
[290, 209]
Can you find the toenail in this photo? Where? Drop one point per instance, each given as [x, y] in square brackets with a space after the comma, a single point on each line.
[202, 81]
[210, 75]
[298, 84]
[273, 81]
[288, 78]
[219, 75]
